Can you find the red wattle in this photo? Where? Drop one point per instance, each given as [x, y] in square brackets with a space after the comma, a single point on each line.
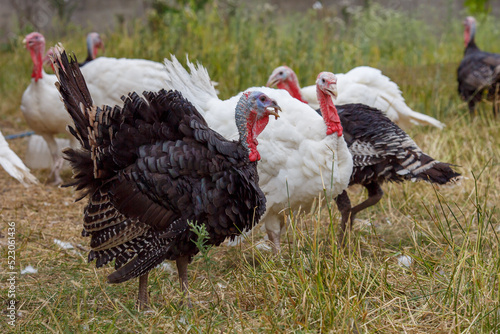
[254, 156]
[332, 128]
[330, 114]
[36, 56]
[253, 129]
[466, 36]
[261, 125]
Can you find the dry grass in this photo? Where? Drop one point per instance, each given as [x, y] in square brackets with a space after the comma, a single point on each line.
[451, 234]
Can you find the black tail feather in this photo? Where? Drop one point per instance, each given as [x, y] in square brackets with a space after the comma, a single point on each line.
[75, 94]
[436, 172]
[78, 103]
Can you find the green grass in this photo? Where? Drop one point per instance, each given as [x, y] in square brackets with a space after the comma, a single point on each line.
[451, 234]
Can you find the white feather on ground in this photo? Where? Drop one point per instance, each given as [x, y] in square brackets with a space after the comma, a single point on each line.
[29, 270]
[405, 261]
[63, 244]
[13, 165]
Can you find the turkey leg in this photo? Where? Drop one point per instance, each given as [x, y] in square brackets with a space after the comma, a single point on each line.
[182, 264]
[344, 205]
[375, 193]
[348, 212]
[143, 298]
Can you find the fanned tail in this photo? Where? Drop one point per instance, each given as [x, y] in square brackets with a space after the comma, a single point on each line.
[78, 103]
[75, 94]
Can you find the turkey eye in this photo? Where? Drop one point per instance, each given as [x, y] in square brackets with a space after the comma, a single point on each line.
[322, 80]
[281, 73]
[262, 98]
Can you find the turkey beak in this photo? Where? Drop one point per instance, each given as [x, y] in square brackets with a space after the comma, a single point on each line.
[272, 82]
[24, 41]
[273, 109]
[332, 90]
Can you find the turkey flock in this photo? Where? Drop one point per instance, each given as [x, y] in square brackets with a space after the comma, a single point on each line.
[157, 154]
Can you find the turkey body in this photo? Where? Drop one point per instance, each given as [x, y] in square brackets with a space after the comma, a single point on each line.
[152, 168]
[478, 72]
[381, 152]
[109, 78]
[37, 99]
[298, 159]
[362, 84]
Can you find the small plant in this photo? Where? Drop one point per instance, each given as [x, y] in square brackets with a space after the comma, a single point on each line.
[201, 241]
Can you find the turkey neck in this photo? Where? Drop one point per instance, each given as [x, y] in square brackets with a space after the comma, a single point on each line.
[469, 33]
[90, 48]
[292, 87]
[249, 128]
[36, 53]
[329, 112]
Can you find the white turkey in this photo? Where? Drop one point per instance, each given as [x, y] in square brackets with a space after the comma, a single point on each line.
[362, 84]
[299, 159]
[478, 72]
[107, 79]
[42, 106]
[38, 153]
[152, 168]
[13, 165]
[381, 151]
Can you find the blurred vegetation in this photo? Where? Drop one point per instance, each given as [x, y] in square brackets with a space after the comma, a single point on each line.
[164, 6]
[240, 43]
[478, 6]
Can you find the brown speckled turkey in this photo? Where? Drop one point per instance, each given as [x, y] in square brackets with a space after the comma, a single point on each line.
[381, 151]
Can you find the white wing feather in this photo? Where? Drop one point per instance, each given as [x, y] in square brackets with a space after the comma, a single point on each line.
[13, 165]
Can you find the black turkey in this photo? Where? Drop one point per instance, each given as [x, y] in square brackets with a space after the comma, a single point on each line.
[478, 72]
[152, 167]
